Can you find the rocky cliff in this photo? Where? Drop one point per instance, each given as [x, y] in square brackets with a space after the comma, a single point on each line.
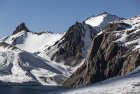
[114, 52]
[72, 48]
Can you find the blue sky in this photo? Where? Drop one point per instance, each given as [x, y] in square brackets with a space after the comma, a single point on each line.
[58, 15]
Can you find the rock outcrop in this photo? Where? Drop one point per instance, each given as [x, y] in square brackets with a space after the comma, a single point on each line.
[114, 52]
[73, 46]
[20, 28]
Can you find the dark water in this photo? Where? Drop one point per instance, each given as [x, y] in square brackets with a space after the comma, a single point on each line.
[29, 89]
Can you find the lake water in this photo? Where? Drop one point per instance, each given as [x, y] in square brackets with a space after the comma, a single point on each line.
[29, 89]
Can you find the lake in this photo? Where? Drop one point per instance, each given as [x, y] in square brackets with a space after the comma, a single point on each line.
[29, 89]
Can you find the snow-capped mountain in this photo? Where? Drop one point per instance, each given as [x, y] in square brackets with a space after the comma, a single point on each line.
[73, 46]
[114, 52]
[100, 21]
[29, 41]
[99, 48]
[68, 48]
[18, 67]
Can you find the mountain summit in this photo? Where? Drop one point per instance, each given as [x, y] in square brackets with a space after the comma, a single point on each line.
[21, 27]
[102, 20]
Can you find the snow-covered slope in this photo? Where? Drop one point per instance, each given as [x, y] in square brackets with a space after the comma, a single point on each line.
[32, 42]
[10, 69]
[20, 67]
[128, 84]
[102, 20]
[130, 36]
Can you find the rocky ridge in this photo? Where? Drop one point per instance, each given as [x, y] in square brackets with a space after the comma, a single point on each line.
[114, 52]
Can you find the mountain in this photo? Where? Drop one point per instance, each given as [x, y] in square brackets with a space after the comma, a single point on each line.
[18, 67]
[29, 41]
[73, 47]
[114, 52]
[99, 48]
[46, 58]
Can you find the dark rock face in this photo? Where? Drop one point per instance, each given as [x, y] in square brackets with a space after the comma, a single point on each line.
[6, 45]
[116, 26]
[106, 58]
[73, 46]
[20, 28]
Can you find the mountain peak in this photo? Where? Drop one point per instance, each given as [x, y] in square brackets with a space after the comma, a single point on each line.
[105, 13]
[20, 28]
[100, 21]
